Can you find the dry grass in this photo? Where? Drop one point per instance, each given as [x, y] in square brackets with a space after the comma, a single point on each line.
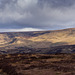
[38, 64]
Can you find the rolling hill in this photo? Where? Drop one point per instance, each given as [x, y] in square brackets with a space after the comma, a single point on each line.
[54, 41]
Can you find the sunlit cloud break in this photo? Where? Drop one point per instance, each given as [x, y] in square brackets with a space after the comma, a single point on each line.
[20, 30]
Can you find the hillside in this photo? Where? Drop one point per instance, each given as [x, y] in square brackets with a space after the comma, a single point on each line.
[36, 41]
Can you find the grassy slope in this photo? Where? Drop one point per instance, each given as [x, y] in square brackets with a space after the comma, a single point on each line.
[66, 35]
[35, 40]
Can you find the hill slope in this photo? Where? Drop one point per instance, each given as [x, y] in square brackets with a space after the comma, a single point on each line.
[36, 41]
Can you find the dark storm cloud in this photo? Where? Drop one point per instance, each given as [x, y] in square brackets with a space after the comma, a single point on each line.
[57, 3]
[40, 14]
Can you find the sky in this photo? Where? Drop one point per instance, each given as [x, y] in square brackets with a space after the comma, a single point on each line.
[36, 15]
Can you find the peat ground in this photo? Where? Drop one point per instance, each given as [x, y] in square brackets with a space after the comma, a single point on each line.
[37, 64]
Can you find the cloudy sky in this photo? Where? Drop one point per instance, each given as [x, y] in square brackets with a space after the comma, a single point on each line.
[34, 15]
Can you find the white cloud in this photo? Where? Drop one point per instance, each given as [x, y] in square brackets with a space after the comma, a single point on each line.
[20, 30]
[26, 3]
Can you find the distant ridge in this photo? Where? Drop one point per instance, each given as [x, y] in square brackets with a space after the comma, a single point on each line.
[36, 40]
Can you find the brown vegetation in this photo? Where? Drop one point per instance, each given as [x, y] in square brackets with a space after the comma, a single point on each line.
[37, 64]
